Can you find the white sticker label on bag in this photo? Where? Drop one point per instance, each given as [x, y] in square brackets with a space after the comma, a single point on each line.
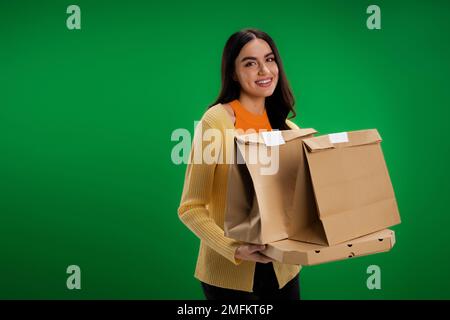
[338, 137]
[272, 138]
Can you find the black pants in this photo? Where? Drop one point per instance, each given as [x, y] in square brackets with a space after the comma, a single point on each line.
[265, 286]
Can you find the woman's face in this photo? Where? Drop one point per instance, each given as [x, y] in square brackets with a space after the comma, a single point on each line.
[256, 69]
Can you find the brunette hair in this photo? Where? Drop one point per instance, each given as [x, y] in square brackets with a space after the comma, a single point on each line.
[280, 103]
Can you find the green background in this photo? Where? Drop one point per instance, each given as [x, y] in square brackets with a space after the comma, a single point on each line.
[86, 118]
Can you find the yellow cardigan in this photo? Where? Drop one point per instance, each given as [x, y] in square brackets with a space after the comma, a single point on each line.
[202, 210]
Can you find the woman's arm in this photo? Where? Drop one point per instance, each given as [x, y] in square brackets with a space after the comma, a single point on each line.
[196, 194]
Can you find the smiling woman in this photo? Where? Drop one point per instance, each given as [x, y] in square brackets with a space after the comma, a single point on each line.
[252, 71]
[255, 95]
[255, 66]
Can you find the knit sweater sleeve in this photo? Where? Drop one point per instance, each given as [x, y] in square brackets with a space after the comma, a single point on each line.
[193, 211]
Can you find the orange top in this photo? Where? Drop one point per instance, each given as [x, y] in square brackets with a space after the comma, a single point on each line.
[246, 120]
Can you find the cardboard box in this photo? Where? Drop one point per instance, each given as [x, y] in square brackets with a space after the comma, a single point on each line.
[296, 252]
[327, 189]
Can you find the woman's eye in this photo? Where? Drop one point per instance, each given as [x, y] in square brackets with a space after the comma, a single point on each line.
[253, 62]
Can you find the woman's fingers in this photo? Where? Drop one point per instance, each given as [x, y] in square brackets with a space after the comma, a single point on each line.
[258, 257]
[255, 248]
[252, 252]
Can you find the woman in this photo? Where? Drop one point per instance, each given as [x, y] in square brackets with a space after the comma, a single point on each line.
[255, 94]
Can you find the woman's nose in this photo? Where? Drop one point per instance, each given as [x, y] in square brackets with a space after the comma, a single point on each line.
[263, 69]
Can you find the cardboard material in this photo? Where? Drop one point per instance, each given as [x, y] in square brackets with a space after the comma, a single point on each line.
[296, 252]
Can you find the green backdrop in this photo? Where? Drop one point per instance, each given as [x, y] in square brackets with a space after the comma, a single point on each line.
[86, 117]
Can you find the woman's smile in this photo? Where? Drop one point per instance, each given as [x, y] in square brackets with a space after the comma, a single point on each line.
[266, 82]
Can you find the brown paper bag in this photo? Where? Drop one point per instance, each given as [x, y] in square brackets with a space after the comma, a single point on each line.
[351, 185]
[261, 184]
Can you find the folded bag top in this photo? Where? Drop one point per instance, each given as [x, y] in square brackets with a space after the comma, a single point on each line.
[342, 140]
[288, 135]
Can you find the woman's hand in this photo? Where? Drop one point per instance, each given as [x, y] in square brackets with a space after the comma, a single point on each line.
[251, 252]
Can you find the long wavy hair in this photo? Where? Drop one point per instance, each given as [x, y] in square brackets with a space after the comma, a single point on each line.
[280, 103]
